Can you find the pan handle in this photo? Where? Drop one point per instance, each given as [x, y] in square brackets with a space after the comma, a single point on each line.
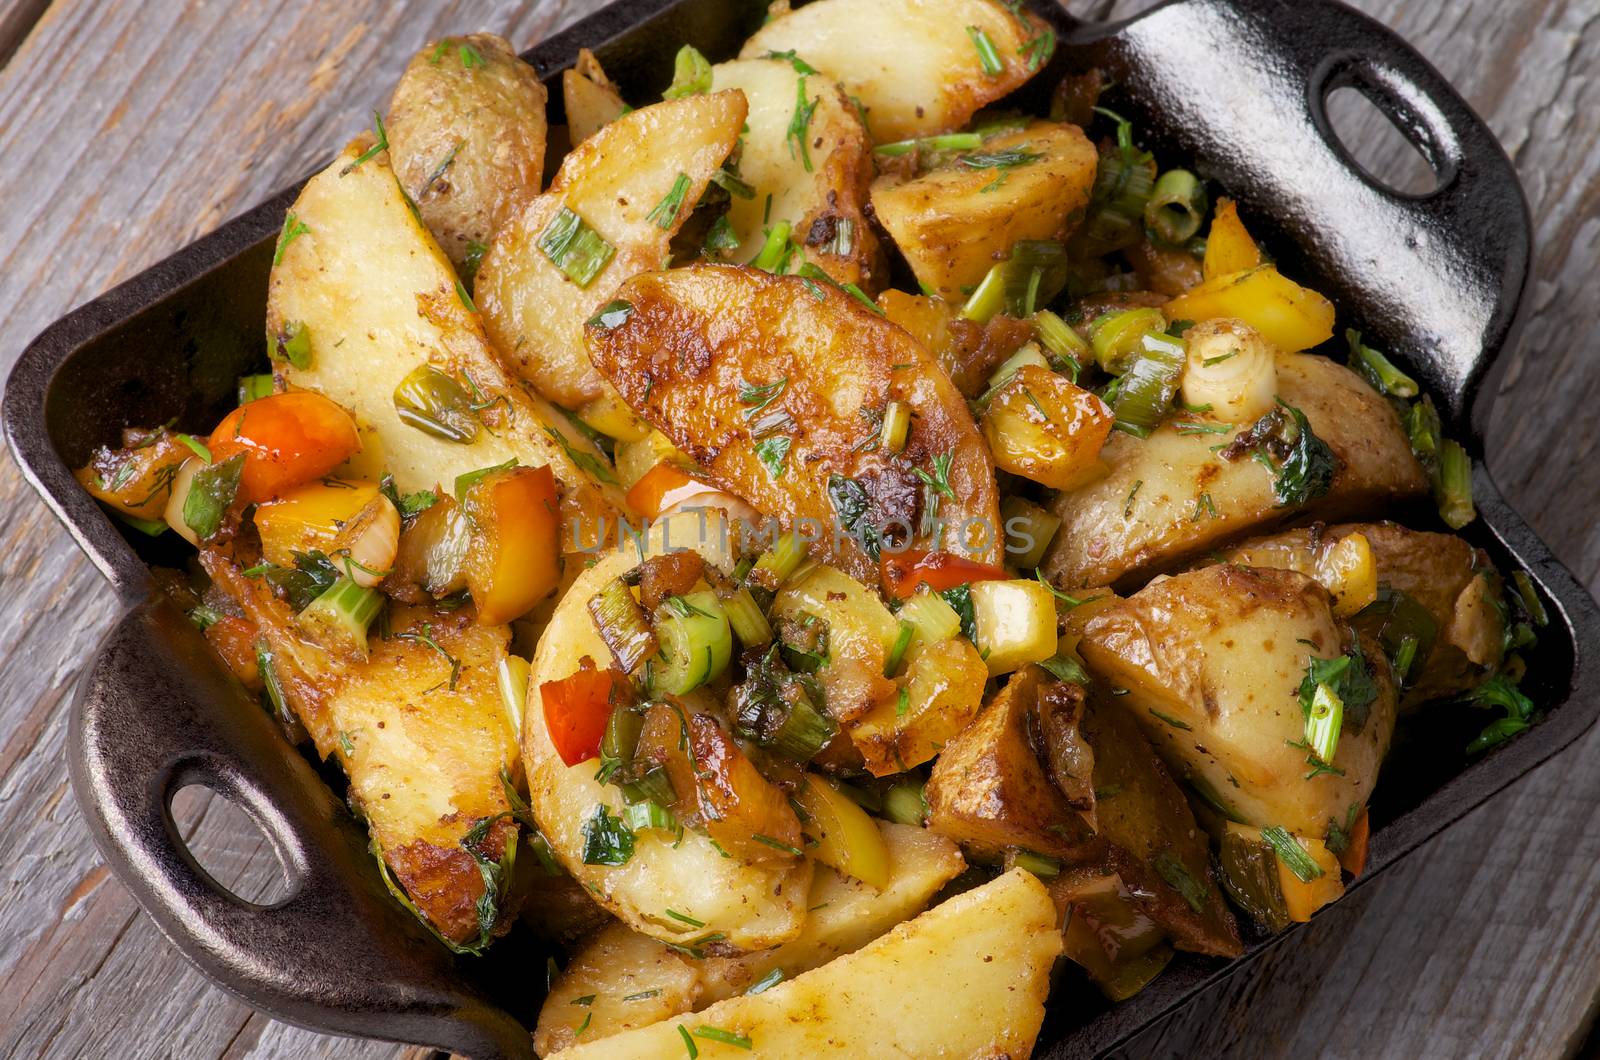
[1241, 86]
[157, 712]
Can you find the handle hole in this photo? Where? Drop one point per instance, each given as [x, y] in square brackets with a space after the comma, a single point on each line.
[229, 845]
[1378, 145]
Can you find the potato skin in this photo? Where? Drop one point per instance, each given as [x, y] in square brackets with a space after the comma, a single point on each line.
[423, 759]
[698, 334]
[1449, 577]
[1221, 652]
[487, 120]
[910, 62]
[613, 180]
[1149, 515]
[954, 223]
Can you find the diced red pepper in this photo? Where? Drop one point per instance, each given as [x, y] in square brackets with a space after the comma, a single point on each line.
[665, 486]
[904, 571]
[576, 710]
[1354, 856]
[288, 439]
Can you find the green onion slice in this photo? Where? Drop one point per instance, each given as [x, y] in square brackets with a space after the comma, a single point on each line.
[575, 248]
[1292, 854]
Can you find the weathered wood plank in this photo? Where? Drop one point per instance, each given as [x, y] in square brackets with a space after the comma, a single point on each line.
[160, 120]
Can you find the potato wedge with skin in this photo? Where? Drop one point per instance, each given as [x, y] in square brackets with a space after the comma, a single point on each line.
[591, 99]
[954, 223]
[967, 978]
[423, 758]
[846, 915]
[1212, 660]
[1443, 573]
[1150, 512]
[466, 138]
[911, 63]
[988, 790]
[820, 191]
[379, 300]
[614, 181]
[694, 343]
[1152, 840]
[754, 905]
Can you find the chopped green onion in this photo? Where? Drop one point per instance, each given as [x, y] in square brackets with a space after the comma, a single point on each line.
[988, 298]
[904, 803]
[1062, 340]
[653, 785]
[688, 1042]
[640, 816]
[621, 623]
[1177, 207]
[799, 131]
[695, 642]
[436, 404]
[1028, 354]
[195, 446]
[511, 677]
[1042, 865]
[816, 272]
[619, 743]
[269, 679]
[342, 614]
[1377, 369]
[293, 344]
[255, 387]
[896, 426]
[1292, 854]
[1118, 338]
[1122, 185]
[1529, 597]
[721, 237]
[931, 616]
[779, 563]
[665, 214]
[988, 56]
[211, 493]
[746, 619]
[945, 142]
[1066, 668]
[293, 229]
[1323, 722]
[612, 315]
[691, 74]
[1147, 388]
[575, 248]
[729, 182]
[1453, 489]
[897, 652]
[804, 729]
[766, 982]
[775, 251]
[1030, 527]
[152, 527]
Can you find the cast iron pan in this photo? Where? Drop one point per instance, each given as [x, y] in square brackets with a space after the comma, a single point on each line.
[1234, 87]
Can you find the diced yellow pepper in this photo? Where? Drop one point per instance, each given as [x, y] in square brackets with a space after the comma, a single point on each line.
[1350, 573]
[1229, 247]
[1303, 899]
[1015, 623]
[847, 839]
[310, 517]
[1289, 316]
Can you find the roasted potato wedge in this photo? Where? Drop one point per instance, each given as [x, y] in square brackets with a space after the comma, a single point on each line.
[968, 352]
[753, 905]
[967, 978]
[773, 383]
[1151, 511]
[816, 182]
[988, 790]
[592, 101]
[914, 64]
[953, 223]
[1447, 576]
[617, 182]
[466, 139]
[1152, 840]
[423, 744]
[846, 915]
[1212, 661]
[359, 273]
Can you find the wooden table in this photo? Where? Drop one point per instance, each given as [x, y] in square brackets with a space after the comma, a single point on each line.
[127, 129]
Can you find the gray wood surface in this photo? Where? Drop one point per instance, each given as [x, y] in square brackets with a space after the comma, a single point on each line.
[127, 129]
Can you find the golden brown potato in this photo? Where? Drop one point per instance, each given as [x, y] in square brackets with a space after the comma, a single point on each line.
[954, 223]
[988, 790]
[845, 915]
[1153, 842]
[914, 64]
[753, 904]
[776, 385]
[422, 743]
[591, 100]
[616, 182]
[967, 978]
[968, 352]
[1171, 496]
[1212, 661]
[379, 300]
[1452, 580]
[466, 139]
[816, 183]
[135, 479]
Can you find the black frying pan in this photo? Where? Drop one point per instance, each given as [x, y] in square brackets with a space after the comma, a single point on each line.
[1236, 87]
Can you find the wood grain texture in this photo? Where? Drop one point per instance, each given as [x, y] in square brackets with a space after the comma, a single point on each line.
[128, 129]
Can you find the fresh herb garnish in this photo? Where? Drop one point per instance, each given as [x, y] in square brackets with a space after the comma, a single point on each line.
[1176, 723]
[1009, 158]
[612, 315]
[293, 229]
[575, 248]
[800, 125]
[380, 144]
[211, 493]
[691, 74]
[717, 1034]
[773, 451]
[988, 56]
[594, 465]
[1292, 854]
[1180, 879]
[799, 64]
[852, 504]
[959, 597]
[665, 214]
[1282, 439]
[606, 839]
[1500, 691]
[766, 982]
[425, 637]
